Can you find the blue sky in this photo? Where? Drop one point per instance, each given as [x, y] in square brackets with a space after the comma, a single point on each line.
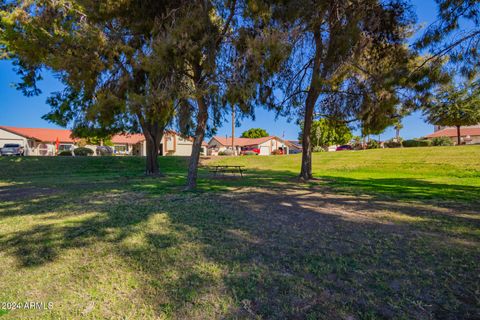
[20, 111]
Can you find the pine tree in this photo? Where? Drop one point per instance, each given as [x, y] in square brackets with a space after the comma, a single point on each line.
[102, 53]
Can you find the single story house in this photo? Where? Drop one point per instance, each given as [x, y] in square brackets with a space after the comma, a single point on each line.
[266, 145]
[294, 146]
[42, 142]
[468, 135]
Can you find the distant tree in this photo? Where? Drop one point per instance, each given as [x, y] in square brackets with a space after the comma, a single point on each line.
[456, 107]
[255, 133]
[326, 132]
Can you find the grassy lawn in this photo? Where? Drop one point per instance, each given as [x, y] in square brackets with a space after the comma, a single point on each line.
[382, 234]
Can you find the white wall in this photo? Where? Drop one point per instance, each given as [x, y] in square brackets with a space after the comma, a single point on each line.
[8, 137]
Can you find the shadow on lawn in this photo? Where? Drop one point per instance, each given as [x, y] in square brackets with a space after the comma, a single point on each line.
[285, 250]
[281, 250]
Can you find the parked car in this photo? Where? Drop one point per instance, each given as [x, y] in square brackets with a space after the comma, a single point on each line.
[249, 150]
[344, 147]
[12, 149]
[104, 151]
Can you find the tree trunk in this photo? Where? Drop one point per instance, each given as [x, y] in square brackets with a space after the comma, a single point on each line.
[153, 133]
[151, 165]
[306, 170]
[202, 118]
[312, 96]
[459, 140]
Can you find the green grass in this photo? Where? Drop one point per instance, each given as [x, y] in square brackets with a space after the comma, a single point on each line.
[442, 173]
[381, 234]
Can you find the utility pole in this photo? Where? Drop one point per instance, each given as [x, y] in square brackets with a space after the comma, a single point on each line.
[233, 131]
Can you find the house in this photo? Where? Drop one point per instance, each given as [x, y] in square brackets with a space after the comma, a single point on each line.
[42, 142]
[468, 135]
[294, 146]
[266, 145]
[176, 144]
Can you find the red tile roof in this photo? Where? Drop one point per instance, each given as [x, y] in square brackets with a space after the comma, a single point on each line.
[452, 132]
[242, 142]
[44, 135]
[63, 135]
[128, 138]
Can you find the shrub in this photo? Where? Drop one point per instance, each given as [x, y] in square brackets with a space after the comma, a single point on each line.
[83, 152]
[416, 143]
[318, 149]
[373, 144]
[226, 152]
[65, 153]
[442, 141]
[277, 152]
[393, 143]
[250, 153]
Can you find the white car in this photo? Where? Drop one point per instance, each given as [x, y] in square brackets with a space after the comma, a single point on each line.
[12, 149]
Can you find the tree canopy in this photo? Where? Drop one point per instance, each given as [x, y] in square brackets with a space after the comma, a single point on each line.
[326, 133]
[255, 133]
[455, 106]
[103, 53]
[455, 35]
[347, 61]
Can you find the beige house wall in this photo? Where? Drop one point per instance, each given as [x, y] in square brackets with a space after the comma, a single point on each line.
[8, 137]
[472, 140]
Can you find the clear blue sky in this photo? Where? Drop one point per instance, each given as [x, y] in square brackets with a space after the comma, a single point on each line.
[17, 110]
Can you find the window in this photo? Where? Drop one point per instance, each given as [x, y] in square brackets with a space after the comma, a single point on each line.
[121, 149]
[65, 147]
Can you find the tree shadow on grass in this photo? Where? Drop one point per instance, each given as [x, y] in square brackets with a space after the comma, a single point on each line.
[274, 249]
[284, 252]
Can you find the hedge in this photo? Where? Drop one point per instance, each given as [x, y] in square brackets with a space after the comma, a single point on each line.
[417, 143]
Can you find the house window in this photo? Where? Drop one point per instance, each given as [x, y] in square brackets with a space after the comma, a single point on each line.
[121, 149]
[65, 147]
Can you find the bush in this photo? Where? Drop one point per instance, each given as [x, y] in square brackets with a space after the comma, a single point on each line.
[250, 153]
[442, 141]
[65, 153]
[416, 143]
[277, 152]
[226, 152]
[83, 152]
[393, 143]
[318, 149]
[373, 144]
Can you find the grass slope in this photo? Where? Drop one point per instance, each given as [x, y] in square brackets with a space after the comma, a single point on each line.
[383, 234]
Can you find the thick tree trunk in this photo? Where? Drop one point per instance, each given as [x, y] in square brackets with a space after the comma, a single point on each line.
[306, 170]
[202, 117]
[153, 133]
[459, 140]
[151, 165]
[312, 96]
